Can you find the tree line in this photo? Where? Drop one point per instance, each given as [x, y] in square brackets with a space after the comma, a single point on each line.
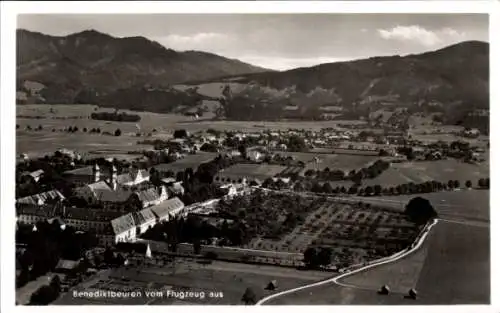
[116, 117]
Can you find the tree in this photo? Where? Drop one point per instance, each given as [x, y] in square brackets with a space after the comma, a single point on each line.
[353, 189]
[420, 210]
[118, 132]
[23, 278]
[451, 183]
[84, 129]
[109, 257]
[309, 173]
[310, 257]
[317, 187]
[180, 133]
[298, 187]
[249, 297]
[368, 191]
[456, 184]
[324, 256]
[327, 188]
[43, 296]
[243, 150]
[377, 190]
[197, 247]
[481, 183]
[55, 283]
[468, 184]
[382, 152]
[211, 255]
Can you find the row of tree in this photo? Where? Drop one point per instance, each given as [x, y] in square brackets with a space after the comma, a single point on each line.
[376, 190]
[117, 117]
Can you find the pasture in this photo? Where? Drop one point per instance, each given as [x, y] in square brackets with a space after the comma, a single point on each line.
[250, 171]
[61, 116]
[422, 171]
[188, 161]
[46, 141]
[344, 162]
[458, 205]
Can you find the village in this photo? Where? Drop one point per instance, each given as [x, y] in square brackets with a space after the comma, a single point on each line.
[106, 202]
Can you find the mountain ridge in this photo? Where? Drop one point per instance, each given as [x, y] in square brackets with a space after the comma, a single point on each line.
[99, 61]
[137, 73]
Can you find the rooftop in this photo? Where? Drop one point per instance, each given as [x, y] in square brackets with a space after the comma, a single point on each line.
[164, 208]
[123, 223]
[42, 197]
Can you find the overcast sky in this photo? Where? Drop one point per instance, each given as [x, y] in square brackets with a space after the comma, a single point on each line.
[280, 41]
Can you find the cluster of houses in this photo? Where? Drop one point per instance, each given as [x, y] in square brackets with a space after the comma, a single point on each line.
[118, 207]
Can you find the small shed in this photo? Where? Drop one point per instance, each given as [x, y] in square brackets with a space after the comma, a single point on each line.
[384, 290]
[272, 285]
[67, 266]
[412, 293]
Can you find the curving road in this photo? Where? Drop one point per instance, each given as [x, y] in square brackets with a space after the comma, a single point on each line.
[336, 279]
[452, 266]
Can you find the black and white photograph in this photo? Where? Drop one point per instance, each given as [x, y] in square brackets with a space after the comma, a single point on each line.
[249, 159]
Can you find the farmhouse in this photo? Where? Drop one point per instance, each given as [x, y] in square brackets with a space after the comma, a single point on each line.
[144, 220]
[124, 228]
[32, 213]
[33, 88]
[67, 266]
[86, 175]
[471, 133]
[176, 189]
[254, 156]
[167, 209]
[151, 196]
[33, 177]
[133, 178]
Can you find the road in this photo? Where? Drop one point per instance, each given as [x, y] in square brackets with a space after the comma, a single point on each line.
[337, 280]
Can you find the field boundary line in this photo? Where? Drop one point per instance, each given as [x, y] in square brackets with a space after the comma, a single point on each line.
[335, 280]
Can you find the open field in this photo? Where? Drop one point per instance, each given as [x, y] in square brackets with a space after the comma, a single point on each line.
[452, 268]
[332, 161]
[250, 171]
[230, 279]
[188, 161]
[418, 172]
[461, 205]
[46, 142]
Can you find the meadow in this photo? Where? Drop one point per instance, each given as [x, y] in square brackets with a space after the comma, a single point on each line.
[422, 171]
[463, 205]
[250, 172]
[62, 116]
